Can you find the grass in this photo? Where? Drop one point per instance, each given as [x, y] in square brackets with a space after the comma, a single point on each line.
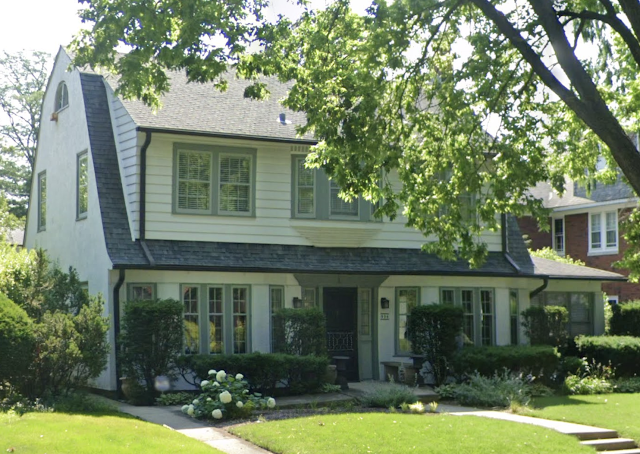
[620, 412]
[402, 433]
[58, 433]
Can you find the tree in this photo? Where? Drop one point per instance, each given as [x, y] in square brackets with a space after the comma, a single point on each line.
[551, 254]
[470, 102]
[23, 79]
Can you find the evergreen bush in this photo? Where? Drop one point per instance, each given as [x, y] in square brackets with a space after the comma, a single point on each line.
[625, 320]
[433, 331]
[151, 341]
[546, 325]
[622, 352]
[300, 332]
[16, 342]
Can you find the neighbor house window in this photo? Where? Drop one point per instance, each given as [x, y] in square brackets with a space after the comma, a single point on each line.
[603, 229]
[558, 235]
[578, 304]
[478, 312]
[82, 185]
[62, 97]
[214, 180]
[42, 201]
[224, 310]
[406, 299]
[317, 197]
[142, 292]
[276, 302]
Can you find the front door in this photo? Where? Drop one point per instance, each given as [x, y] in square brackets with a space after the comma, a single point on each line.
[341, 311]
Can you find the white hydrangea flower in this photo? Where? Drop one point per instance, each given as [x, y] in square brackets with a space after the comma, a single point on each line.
[185, 408]
[213, 372]
[225, 397]
[208, 399]
[239, 376]
[195, 402]
[221, 375]
[239, 404]
[215, 384]
[204, 383]
[271, 402]
[190, 410]
[217, 413]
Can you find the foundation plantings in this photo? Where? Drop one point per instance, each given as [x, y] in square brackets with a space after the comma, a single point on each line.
[226, 396]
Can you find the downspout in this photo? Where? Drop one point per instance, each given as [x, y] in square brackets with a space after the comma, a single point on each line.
[143, 184]
[116, 327]
[535, 292]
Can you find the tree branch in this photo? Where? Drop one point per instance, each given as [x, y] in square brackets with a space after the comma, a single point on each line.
[631, 9]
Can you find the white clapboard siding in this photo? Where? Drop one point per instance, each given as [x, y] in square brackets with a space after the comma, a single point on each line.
[272, 222]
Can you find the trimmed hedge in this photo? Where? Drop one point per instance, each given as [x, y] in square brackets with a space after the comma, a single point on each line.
[535, 360]
[300, 332]
[433, 331]
[625, 320]
[264, 371]
[546, 325]
[622, 351]
[17, 341]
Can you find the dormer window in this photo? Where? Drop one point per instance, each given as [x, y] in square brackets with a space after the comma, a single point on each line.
[62, 97]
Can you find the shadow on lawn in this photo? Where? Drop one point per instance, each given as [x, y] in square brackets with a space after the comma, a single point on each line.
[544, 402]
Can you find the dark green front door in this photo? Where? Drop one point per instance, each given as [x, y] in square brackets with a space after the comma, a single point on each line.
[341, 311]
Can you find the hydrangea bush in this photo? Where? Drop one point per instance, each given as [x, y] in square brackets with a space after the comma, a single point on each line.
[226, 396]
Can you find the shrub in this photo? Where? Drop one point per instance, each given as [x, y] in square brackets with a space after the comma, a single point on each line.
[546, 325]
[623, 352]
[226, 396]
[433, 331]
[625, 320]
[179, 398]
[70, 350]
[627, 385]
[500, 390]
[151, 340]
[300, 332]
[16, 342]
[575, 384]
[385, 395]
[540, 360]
[263, 371]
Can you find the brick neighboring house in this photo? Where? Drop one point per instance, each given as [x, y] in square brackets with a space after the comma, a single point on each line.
[586, 227]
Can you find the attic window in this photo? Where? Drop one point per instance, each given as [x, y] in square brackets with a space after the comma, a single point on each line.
[62, 97]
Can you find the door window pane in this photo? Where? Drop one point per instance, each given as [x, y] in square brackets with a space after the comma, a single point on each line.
[364, 301]
[407, 299]
[216, 320]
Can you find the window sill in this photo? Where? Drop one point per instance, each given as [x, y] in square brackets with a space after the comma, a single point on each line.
[596, 253]
[82, 217]
[214, 215]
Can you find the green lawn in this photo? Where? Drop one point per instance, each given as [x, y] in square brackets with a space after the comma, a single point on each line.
[620, 412]
[54, 433]
[402, 433]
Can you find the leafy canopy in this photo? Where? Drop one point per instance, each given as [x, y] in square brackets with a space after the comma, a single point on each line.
[468, 103]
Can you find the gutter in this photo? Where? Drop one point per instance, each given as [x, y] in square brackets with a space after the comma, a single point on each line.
[626, 203]
[116, 326]
[535, 292]
[218, 135]
[143, 185]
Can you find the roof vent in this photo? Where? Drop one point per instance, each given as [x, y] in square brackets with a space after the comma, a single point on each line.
[283, 119]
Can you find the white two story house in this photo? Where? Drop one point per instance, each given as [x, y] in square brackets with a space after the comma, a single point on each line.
[208, 202]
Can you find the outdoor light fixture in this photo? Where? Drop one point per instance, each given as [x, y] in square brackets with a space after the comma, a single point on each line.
[297, 302]
[384, 303]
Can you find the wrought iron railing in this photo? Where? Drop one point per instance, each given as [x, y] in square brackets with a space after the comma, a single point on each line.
[340, 341]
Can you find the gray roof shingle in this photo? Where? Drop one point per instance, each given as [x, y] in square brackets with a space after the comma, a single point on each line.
[558, 270]
[198, 255]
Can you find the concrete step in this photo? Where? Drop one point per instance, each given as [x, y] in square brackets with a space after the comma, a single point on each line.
[610, 444]
[592, 433]
[623, 451]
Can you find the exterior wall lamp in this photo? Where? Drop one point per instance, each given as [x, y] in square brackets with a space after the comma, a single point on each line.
[384, 303]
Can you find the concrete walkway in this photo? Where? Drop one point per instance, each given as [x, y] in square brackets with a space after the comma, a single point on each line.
[173, 418]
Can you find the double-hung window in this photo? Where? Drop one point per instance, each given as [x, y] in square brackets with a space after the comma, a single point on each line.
[216, 318]
[406, 299]
[558, 235]
[579, 304]
[82, 185]
[314, 196]
[142, 292]
[42, 201]
[478, 312]
[603, 232]
[214, 180]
